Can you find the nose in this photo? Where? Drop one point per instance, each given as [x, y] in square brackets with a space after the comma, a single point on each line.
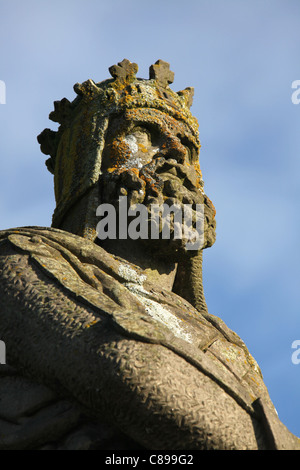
[173, 148]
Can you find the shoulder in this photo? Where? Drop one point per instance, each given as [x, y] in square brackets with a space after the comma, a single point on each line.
[61, 296]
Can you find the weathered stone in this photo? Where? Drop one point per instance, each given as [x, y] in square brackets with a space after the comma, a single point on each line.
[161, 72]
[124, 70]
[110, 344]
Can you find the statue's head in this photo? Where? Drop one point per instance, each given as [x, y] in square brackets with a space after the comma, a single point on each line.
[130, 137]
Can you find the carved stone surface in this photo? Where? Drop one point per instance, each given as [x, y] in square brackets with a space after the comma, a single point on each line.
[110, 344]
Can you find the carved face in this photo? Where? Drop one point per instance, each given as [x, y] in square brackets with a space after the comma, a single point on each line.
[152, 158]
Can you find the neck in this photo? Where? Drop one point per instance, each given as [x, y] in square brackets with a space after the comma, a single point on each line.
[159, 272]
[184, 278]
[189, 283]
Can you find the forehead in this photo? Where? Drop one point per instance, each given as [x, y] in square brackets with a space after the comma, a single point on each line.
[161, 121]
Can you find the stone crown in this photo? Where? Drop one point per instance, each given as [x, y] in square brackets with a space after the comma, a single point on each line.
[123, 91]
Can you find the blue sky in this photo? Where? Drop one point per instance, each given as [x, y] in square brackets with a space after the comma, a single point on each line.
[242, 58]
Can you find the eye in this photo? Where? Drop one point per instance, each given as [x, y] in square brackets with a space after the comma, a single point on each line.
[192, 153]
[150, 130]
[141, 133]
[141, 139]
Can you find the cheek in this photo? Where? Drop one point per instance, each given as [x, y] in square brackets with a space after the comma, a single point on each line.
[199, 183]
[129, 153]
[119, 154]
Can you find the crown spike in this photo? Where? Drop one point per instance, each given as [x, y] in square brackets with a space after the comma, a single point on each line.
[88, 89]
[124, 71]
[61, 111]
[47, 141]
[187, 95]
[160, 71]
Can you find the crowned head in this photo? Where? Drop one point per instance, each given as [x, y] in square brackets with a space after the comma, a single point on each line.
[124, 136]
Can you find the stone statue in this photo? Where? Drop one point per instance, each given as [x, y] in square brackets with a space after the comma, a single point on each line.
[109, 342]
